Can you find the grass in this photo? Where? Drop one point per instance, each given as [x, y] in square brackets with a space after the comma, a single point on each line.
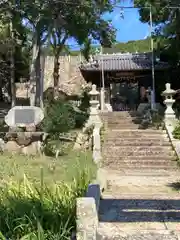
[64, 168]
[38, 195]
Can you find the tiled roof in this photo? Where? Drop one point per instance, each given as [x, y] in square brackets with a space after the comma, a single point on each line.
[122, 62]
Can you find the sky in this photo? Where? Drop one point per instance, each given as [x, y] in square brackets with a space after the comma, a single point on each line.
[128, 28]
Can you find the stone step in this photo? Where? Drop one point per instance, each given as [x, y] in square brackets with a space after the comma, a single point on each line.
[142, 132]
[130, 139]
[138, 137]
[165, 157]
[135, 151]
[137, 166]
[123, 126]
[126, 169]
[150, 148]
[116, 126]
[117, 116]
[139, 131]
[134, 155]
[121, 118]
[135, 143]
[114, 177]
[152, 162]
[134, 214]
[146, 172]
[118, 113]
[151, 231]
[119, 124]
[163, 194]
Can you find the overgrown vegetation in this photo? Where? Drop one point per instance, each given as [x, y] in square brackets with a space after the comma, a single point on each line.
[157, 119]
[40, 204]
[176, 132]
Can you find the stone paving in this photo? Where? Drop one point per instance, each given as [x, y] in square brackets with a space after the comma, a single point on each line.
[145, 236]
[133, 205]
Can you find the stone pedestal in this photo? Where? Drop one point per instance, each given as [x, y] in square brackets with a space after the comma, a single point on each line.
[28, 143]
[23, 136]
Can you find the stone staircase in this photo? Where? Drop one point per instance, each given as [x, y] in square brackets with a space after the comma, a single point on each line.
[141, 200]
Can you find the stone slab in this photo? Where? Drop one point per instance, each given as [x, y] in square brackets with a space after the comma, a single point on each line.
[22, 116]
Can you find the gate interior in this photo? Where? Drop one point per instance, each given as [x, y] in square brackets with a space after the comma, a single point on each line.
[124, 96]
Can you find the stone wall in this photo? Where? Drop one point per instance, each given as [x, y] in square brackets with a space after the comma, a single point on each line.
[22, 90]
[70, 78]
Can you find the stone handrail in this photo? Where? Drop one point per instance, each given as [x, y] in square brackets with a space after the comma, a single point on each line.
[174, 142]
[96, 139]
[170, 120]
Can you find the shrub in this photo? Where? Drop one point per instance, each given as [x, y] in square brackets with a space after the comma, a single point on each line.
[59, 117]
[85, 99]
[157, 119]
[176, 132]
[80, 118]
[82, 114]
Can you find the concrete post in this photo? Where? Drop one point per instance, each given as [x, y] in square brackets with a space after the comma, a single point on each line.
[102, 99]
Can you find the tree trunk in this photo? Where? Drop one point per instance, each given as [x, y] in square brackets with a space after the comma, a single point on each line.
[35, 70]
[12, 67]
[38, 79]
[56, 70]
[58, 45]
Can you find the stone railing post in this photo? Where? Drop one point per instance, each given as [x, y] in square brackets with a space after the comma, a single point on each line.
[170, 118]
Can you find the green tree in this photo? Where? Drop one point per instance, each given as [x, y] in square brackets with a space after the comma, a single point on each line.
[81, 20]
[12, 39]
[59, 21]
[166, 21]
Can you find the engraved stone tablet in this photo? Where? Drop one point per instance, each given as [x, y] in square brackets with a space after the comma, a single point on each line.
[21, 116]
[25, 116]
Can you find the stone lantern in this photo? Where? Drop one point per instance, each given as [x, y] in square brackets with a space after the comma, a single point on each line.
[169, 113]
[94, 102]
[94, 95]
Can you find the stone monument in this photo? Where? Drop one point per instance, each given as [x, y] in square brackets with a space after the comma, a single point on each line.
[23, 136]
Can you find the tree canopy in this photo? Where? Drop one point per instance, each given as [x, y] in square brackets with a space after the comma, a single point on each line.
[166, 22]
[53, 23]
